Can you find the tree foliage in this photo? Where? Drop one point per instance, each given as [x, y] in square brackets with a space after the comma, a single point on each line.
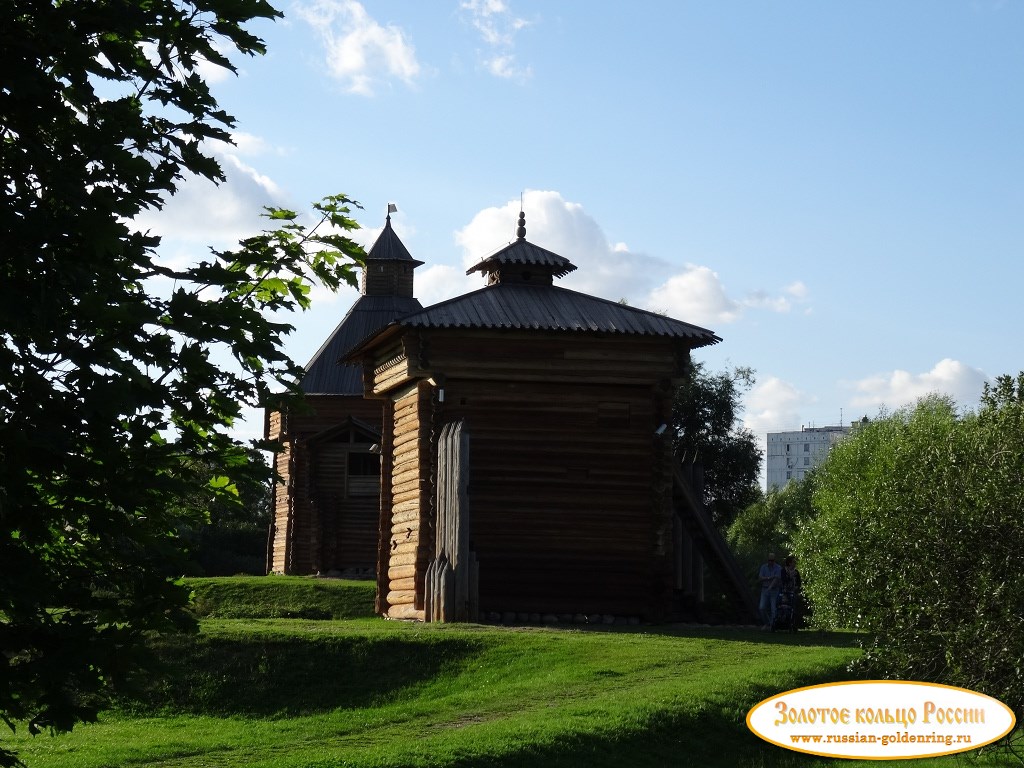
[919, 542]
[708, 431]
[771, 523]
[121, 374]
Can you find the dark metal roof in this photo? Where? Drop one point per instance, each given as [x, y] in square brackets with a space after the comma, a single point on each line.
[522, 251]
[325, 374]
[389, 247]
[549, 307]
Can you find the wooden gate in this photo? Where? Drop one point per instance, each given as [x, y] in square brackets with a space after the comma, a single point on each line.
[451, 589]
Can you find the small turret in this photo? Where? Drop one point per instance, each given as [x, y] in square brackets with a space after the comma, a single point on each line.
[523, 262]
[389, 265]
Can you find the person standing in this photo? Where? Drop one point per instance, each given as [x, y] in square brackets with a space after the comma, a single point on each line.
[792, 585]
[770, 576]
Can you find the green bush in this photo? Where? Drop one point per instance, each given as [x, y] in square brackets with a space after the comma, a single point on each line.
[919, 541]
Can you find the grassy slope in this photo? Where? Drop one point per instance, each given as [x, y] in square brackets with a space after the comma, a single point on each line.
[365, 692]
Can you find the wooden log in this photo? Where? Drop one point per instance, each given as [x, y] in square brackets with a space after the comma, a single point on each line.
[405, 530]
[412, 485]
[406, 405]
[410, 514]
[406, 611]
[396, 572]
[406, 475]
[404, 546]
[403, 558]
[403, 585]
[410, 445]
[407, 423]
[401, 597]
[402, 462]
[413, 494]
[404, 507]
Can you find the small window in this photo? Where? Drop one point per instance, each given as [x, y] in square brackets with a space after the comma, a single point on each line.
[363, 474]
[807, 461]
[789, 475]
[807, 447]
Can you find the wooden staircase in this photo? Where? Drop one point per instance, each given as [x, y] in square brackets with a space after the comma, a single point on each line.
[699, 542]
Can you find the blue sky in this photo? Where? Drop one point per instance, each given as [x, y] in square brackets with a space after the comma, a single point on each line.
[836, 189]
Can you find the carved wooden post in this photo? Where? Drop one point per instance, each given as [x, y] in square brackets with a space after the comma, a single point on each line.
[451, 592]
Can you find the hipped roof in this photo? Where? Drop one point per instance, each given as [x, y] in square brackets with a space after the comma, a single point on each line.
[537, 305]
[524, 252]
[550, 308]
[325, 375]
[518, 306]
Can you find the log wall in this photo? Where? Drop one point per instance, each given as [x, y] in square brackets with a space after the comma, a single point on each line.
[406, 522]
[566, 518]
[569, 488]
[317, 527]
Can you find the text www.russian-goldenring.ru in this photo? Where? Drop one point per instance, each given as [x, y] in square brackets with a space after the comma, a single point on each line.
[885, 739]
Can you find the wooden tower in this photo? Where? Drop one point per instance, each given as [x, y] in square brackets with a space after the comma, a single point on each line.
[526, 466]
[327, 507]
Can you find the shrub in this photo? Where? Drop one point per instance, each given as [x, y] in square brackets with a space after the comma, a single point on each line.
[919, 541]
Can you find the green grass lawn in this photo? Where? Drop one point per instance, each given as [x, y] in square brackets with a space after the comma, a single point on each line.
[368, 692]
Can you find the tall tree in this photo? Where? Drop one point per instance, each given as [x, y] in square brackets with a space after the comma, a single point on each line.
[119, 372]
[919, 542]
[709, 432]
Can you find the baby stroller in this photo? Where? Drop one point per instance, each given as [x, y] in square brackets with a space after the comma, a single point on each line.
[785, 612]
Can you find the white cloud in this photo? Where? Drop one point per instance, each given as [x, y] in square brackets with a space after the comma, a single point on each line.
[792, 294]
[764, 300]
[695, 295]
[214, 73]
[897, 388]
[247, 144]
[797, 290]
[773, 405]
[438, 282]
[604, 269]
[497, 27]
[217, 215]
[360, 52]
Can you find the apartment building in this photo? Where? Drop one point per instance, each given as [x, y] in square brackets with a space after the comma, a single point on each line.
[793, 454]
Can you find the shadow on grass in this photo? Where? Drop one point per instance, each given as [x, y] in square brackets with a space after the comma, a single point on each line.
[714, 736]
[806, 637]
[801, 638]
[281, 677]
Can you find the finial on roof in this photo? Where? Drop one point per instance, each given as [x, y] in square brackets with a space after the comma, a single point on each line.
[392, 208]
[521, 230]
